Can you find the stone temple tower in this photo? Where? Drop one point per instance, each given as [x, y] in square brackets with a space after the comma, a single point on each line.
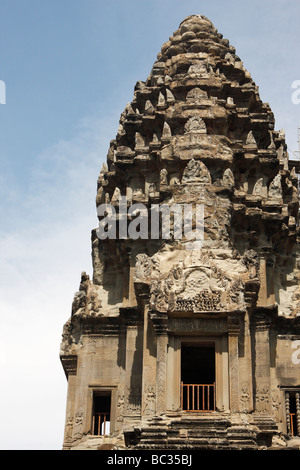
[180, 344]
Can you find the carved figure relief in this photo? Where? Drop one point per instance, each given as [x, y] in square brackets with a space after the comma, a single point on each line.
[204, 301]
[69, 428]
[120, 406]
[275, 190]
[196, 289]
[195, 124]
[196, 95]
[196, 171]
[198, 69]
[163, 177]
[78, 426]
[150, 401]
[262, 400]
[245, 399]
[143, 266]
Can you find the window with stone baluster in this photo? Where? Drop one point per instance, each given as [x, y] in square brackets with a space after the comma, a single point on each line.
[292, 407]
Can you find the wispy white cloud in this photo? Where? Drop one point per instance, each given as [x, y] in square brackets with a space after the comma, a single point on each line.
[43, 252]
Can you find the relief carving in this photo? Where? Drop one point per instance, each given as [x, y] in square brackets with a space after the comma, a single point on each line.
[204, 301]
[276, 405]
[143, 267]
[199, 69]
[275, 189]
[250, 260]
[78, 426]
[195, 124]
[163, 177]
[245, 399]
[159, 297]
[134, 400]
[196, 289]
[262, 400]
[228, 178]
[120, 406]
[150, 397]
[69, 429]
[196, 95]
[196, 171]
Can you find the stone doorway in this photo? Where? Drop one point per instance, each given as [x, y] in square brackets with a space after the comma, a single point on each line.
[101, 414]
[198, 377]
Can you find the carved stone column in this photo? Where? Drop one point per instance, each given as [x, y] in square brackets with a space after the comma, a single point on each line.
[70, 367]
[262, 385]
[160, 326]
[149, 366]
[266, 275]
[233, 357]
[133, 365]
[270, 280]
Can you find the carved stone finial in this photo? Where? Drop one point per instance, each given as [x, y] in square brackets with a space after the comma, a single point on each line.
[228, 178]
[163, 177]
[170, 96]
[149, 109]
[251, 139]
[275, 189]
[161, 104]
[166, 134]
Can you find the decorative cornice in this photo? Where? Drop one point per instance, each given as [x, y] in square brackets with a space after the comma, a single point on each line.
[160, 322]
[106, 326]
[234, 324]
[69, 364]
[131, 316]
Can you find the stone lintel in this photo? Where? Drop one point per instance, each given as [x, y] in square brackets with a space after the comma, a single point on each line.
[206, 313]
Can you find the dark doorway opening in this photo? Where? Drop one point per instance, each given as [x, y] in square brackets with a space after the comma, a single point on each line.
[198, 377]
[101, 413]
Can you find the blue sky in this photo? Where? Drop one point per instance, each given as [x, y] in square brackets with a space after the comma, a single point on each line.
[70, 67]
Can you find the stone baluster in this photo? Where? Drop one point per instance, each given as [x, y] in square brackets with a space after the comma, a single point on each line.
[287, 412]
[298, 412]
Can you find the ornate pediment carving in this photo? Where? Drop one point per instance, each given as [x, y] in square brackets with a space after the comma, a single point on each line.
[201, 288]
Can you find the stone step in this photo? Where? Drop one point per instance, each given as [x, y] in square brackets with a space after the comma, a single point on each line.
[204, 432]
[242, 444]
[210, 442]
[202, 422]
